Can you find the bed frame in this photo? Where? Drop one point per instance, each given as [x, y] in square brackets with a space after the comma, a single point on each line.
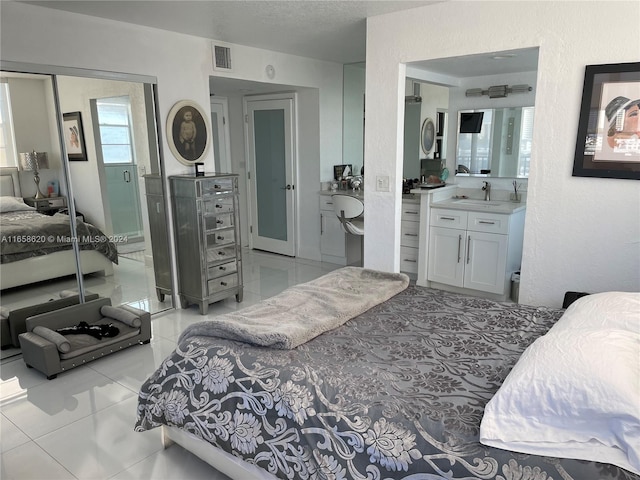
[222, 461]
[46, 267]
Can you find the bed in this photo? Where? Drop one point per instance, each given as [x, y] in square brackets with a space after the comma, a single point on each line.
[396, 392]
[37, 247]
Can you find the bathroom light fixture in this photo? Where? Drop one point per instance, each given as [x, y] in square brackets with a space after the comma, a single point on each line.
[498, 91]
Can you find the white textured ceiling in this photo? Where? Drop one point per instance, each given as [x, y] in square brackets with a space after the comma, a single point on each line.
[333, 30]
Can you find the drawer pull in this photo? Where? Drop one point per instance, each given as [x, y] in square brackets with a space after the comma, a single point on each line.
[412, 213]
[459, 244]
[468, 249]
[447, 218]
[224, 284]
[220, 237]
[218, 206]
[222, 268]
[217, 187]
[486, 222]
[411, 234]
[409, 260]
[219, 222]
[222, 254]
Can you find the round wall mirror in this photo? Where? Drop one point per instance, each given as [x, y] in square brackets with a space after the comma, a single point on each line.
[428, 135]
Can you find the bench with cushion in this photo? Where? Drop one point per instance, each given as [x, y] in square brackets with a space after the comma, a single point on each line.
[50, 352]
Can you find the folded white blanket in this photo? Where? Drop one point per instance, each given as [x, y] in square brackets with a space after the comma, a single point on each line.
[306, 310]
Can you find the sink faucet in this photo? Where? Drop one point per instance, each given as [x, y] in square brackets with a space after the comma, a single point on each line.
[487, 191]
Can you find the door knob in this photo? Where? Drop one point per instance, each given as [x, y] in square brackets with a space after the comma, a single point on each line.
[288, 187]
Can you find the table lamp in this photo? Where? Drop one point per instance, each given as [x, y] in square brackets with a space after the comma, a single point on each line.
[35, 161]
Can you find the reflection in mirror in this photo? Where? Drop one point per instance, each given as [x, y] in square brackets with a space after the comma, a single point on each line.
[109, 110]
[353, 115]
[495, 142]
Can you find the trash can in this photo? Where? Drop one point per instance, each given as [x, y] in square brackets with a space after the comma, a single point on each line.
[515, 286]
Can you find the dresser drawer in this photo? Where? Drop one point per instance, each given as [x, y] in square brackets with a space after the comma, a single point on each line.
[221, 254]
[222, 270]
[216, 186]
[442, 217]
[221, 237]
[222, 283]
[488, 222]
[410, 212]
[409, 233]
[408, 259]
[213, 222]
[216, 205]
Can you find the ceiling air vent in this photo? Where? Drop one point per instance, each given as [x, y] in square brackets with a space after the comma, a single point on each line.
[222, 57]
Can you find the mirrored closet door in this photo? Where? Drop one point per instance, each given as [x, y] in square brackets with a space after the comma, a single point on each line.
[107, 125]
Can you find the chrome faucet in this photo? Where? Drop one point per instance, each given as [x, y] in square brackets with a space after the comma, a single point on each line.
[487, 191]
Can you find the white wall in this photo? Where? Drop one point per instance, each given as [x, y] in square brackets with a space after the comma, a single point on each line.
[71, 40]
[580, 233]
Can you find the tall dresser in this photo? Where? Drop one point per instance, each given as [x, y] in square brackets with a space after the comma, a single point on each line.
[207, 227]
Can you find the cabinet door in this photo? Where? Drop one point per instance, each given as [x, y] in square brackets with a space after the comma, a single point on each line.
[332, 240]
[446, 256]
[485, 262]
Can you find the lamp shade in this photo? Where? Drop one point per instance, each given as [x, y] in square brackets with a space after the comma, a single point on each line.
[34, 161]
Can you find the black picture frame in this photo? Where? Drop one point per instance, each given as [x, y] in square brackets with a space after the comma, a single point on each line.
[604, 147]
[188, 132]
[73, 134]
[338, 170]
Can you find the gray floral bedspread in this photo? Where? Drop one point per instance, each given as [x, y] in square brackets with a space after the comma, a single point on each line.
[26, 234]
[396, 393]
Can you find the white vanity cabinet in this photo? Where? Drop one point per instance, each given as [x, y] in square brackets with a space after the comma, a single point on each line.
[475, 250]
[332, 236]
[409, 236]
[336, 246]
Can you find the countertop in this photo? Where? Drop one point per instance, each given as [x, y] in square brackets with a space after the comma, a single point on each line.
[480, 205]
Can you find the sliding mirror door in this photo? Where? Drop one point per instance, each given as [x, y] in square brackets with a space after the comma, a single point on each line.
[110, 133]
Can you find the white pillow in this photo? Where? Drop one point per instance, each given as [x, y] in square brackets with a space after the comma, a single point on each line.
[13, 204]
[617, 310]
[573, 394]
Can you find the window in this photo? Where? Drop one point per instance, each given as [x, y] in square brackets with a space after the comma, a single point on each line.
[8, 156]
[114, 121]
[526, 140]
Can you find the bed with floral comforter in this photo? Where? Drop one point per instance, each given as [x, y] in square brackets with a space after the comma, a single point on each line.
[395, 393]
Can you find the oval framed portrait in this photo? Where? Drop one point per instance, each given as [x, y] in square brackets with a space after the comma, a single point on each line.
[188, 132]
[428, 135]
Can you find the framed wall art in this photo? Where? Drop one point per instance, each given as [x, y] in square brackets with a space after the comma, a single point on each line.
[608, 143]
[188, 132]
[74, 137]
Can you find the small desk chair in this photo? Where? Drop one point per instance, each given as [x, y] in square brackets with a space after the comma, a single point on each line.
[349, 211]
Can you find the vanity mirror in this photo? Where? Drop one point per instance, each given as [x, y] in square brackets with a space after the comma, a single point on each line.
[494, 142]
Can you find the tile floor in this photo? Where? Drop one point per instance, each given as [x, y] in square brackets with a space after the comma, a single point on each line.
[80, 425]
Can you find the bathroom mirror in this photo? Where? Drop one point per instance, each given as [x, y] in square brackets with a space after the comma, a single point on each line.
[494, 142]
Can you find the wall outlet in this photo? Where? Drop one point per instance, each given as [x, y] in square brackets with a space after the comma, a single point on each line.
[382, 183]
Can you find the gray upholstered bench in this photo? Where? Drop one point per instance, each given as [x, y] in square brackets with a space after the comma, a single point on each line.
[51, 353]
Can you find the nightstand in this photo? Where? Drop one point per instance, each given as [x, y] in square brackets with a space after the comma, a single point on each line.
[49, 205]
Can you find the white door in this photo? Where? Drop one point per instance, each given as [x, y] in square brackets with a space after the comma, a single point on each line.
[271, 146]
[220, 130]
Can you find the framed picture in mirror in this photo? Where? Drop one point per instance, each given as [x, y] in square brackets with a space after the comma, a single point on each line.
[74, 137]
[608, 143]
[428, 135]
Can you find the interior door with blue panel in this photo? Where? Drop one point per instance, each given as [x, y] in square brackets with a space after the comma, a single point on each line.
[271, 156]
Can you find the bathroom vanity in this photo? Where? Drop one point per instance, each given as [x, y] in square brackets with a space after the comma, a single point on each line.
[470, 245]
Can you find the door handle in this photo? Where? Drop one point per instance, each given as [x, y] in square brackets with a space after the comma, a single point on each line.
[288, 187]
[127, 176]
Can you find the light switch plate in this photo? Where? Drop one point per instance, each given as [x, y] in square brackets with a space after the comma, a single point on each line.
[382, 183]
